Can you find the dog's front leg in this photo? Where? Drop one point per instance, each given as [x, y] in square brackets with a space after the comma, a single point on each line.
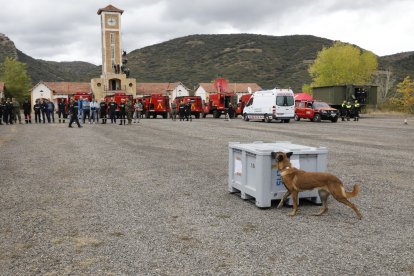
[284, 197]
[295, 203]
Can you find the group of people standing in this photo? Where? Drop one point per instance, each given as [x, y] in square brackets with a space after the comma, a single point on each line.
[10, 111]
[349, 110]
[124, 111]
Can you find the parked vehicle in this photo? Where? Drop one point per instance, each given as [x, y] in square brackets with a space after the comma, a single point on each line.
[82, 95]
[118, 97]
[156, 104]
[242, 103]
[315, 111]
[196, 104]
[218, 103]
[268, 105]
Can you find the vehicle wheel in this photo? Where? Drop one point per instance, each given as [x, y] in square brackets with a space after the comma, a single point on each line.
[165, 115]
[267, 118]
[204, 115]
[297, 118]
[197, 115]
[154, 116]
[147, 115]
[215, 114]
[286, 121]
[334, 120]
[317, 118]
[245, 117]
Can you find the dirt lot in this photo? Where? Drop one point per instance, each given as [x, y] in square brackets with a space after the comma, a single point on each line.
[151, 199]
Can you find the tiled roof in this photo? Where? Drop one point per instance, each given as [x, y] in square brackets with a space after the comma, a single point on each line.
[146, 88]
[110, 8]
[68, 88]
[1, 86]
[231, 87]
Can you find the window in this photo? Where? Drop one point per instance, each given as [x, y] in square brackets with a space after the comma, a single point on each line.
[112, 38]
[250, 102]
[285, 100]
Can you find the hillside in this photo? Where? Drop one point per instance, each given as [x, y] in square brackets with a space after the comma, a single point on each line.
[269, 61]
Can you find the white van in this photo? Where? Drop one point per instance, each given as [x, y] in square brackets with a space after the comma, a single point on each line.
[266, 105]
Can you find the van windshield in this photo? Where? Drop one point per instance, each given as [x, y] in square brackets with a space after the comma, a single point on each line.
[285, 101]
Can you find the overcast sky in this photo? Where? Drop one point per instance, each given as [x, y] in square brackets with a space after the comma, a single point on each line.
[69, 30]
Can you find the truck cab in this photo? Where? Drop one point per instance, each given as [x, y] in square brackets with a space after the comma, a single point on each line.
[315, 111]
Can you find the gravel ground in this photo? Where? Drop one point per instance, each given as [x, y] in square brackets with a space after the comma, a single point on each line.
[152, 199]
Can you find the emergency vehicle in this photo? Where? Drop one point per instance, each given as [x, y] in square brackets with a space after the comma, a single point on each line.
[268, 105]
[242, 103]
[118, 97]
[195, 102]
[83, 95]
[315, 111]
[218, 103]
[156, 104]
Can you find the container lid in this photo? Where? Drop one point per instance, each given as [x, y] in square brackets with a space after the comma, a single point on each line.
[261, 148]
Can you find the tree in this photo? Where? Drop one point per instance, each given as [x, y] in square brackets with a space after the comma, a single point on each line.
[306, 88]
[343, 64]
[404, 98]
[385, 81]
[14, 75]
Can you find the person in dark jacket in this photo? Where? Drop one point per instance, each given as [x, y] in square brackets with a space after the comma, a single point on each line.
[27, 110]
[43, 108]
[102, 109]
[112, 110]
[8, 112]
[37, 109]
[187, 111]
[50, 111]
[181, 111]
[62, 110]
[74, 109]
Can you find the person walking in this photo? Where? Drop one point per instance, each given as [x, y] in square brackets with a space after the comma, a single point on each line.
[187, 111]
[16, 111]
[181, 111]
[62, 110]
[230, 111]
[137, 111]
[102, 108]
[74, 111]
[122, 111]
[27, 110]
[173, 111]
[50, 111]
[128, 110]
[37, 109]
[112, 110]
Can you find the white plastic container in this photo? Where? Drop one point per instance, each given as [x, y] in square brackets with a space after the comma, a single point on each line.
[251, 174]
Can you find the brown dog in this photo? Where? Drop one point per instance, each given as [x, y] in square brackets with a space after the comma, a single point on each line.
[296, 180]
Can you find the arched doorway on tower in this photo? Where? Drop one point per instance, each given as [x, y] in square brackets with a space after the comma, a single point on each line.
[114, 84]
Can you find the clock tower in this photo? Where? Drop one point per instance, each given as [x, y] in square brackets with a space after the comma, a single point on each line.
[115, 74]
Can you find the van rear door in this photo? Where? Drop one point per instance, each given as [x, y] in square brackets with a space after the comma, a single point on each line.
[285, 106]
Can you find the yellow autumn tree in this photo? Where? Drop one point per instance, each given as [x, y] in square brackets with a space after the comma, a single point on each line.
[404, 99]
[343, 64]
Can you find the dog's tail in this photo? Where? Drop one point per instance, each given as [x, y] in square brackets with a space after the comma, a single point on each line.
[354, 192]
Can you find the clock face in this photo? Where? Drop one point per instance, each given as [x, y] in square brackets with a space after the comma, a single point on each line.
[111, 21]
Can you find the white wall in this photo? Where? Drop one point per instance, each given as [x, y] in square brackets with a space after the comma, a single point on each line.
[201, 92]
[40, 91]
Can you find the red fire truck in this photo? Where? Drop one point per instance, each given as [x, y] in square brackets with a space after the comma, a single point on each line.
[156, 104]
[242, 103]
[118, 97]
[196, 104]
[83, 95]
[219, 102]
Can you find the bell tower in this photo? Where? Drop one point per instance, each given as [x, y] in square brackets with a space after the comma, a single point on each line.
[115, 74]
[111, 39]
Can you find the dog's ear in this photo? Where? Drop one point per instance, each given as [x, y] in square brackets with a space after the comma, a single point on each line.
[289, 154]
[273, 155]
